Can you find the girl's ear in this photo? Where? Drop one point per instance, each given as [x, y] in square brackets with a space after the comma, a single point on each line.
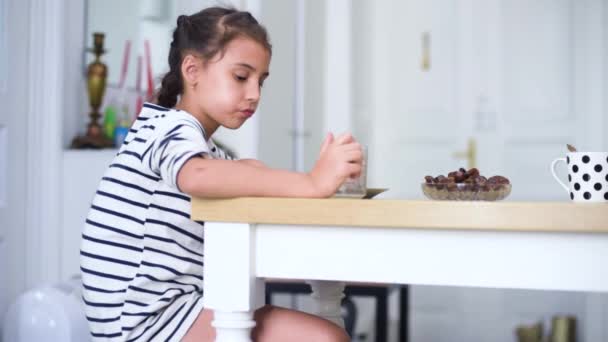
[191, 68]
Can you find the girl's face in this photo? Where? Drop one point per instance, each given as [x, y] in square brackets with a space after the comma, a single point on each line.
[229, 87]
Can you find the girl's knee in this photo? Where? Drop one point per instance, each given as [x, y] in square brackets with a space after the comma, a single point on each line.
[335, 334]
[342, 336]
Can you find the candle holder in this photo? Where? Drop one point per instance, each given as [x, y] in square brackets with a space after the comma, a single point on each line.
[563, 329]
[97, 73]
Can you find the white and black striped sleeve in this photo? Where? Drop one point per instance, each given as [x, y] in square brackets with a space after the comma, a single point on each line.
[173, 148]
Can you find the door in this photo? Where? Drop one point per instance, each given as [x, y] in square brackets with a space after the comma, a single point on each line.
[13, 73]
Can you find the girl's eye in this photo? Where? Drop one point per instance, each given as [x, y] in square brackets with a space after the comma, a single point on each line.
[240, 78]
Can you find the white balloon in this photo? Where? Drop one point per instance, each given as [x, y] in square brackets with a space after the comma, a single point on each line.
[52, 313]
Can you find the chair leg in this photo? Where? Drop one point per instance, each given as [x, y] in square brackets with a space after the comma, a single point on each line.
[350, 317]
[403, 313]
[381, 315]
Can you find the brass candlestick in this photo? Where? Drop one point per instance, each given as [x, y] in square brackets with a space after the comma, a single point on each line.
[563, 329]
[97, 73]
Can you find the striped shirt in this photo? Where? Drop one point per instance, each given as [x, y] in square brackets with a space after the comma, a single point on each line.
[141, 256]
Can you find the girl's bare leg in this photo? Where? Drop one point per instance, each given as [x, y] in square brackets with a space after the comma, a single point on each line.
[274, 324]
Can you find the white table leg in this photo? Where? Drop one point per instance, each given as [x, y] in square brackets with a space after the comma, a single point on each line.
[230, 286]
[233, 326]
[327, 296]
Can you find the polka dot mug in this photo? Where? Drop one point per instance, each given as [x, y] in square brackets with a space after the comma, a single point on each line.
[587, 176]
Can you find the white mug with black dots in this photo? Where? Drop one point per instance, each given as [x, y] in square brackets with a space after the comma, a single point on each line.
[587, 176]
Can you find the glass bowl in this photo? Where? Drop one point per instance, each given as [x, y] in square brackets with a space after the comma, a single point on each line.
[466, 192]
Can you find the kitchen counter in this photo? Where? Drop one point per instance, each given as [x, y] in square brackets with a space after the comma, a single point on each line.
[326, 242]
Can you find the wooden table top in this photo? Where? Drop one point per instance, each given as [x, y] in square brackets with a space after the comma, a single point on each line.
[508, 216]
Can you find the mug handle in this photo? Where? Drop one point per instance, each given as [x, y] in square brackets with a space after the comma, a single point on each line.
[553, 165]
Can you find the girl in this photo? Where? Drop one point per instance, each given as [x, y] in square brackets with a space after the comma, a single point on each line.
[141, 255]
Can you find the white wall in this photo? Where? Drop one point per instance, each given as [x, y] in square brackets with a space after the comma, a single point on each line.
[276, 121]
[363, 77]
[4, 297]
[314, 89]
[277, 95]
[126, 25]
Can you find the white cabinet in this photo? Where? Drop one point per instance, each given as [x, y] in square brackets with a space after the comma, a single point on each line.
[82, 172]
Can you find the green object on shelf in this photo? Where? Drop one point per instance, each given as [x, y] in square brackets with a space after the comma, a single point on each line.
[109, 122]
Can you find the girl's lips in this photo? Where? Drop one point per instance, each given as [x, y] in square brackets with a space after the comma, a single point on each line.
[247, 112]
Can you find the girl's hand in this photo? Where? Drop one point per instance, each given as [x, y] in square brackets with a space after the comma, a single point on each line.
[339, 159]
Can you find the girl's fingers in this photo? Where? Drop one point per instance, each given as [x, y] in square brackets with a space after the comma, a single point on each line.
[353, 169]
[354, 156]
[355, 175]
[329, 139]
[351, 147]
[345, 138]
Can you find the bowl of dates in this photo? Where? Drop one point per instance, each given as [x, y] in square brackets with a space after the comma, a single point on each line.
[466, 185]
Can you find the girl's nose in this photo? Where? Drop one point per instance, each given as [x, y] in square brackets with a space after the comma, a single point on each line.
[253, 92]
